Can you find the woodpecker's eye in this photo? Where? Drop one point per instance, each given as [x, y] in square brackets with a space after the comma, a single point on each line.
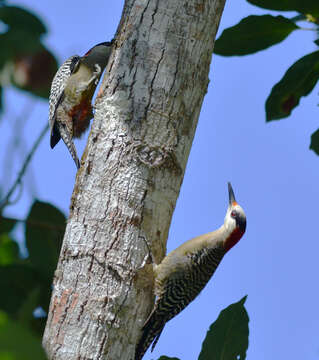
[233, 213]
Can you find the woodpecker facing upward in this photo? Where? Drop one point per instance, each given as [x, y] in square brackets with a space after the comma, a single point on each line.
[185, 271]
[71, 95]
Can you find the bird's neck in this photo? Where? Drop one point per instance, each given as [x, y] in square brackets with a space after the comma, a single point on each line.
[232, 238]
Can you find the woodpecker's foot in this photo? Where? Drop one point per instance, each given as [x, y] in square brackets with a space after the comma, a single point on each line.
[150, 255]
[144, 277]
[97, 73]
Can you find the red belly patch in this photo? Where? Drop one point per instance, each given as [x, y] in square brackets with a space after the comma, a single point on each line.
[81, 115]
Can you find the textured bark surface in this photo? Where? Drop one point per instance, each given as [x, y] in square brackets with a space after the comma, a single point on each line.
[132, 169]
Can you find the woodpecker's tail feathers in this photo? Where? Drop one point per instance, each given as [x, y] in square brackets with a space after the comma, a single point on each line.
[156, 339]
[65, 135]
[152, 330]
[55, 136]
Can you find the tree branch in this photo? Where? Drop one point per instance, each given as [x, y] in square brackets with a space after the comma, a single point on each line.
[126, 189]
[6, 200]
[17, 141]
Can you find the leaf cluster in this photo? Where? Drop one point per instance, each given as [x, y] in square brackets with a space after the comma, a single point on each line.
[227, 337]
[25, 62]
[26, 283]
[255, 33]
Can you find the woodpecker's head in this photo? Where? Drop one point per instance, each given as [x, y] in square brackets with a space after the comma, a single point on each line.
[98, 54]
[235, 221]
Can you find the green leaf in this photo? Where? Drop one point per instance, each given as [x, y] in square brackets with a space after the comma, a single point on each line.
[163, 357]
[1, 100]
[30, 303]
[298, 81]
[19, 18]
[304, 6]
[9, 250]
[316, 42]
[6, 224]
[45, 226]
[227, 337]
[252, 34]
[23, 56]
[16, 42]
[26, 75]
[25, 313]
[5, 355]
[37, 325]
[5, 57]
[16, 282]
[314, 144]
[19, 343]
[45, 294]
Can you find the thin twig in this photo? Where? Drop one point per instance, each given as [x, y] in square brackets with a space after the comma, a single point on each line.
[307, 29]
[6, 200]
[16, 141]
[300, 17]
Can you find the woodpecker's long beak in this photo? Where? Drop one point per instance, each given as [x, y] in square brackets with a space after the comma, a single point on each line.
[232, 199]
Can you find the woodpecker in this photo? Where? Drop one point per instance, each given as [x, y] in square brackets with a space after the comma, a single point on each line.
[71, 94]
[185, 271]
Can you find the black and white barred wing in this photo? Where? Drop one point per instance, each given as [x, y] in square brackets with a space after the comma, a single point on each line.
[56, 94]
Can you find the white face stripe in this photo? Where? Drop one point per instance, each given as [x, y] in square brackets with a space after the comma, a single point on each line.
[230, 222]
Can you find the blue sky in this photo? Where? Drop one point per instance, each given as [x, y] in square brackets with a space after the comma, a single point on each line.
[274, 176]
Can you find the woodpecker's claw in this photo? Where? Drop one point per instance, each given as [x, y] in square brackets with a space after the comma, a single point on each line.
[97, 69]
[97, 73]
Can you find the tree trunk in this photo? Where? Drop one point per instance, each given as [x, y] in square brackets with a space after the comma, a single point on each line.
[132, 169]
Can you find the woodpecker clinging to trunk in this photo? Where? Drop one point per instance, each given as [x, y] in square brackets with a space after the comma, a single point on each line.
[71, 94]
[185, 271]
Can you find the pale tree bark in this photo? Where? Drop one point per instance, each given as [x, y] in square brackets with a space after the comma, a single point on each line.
[131, 173]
